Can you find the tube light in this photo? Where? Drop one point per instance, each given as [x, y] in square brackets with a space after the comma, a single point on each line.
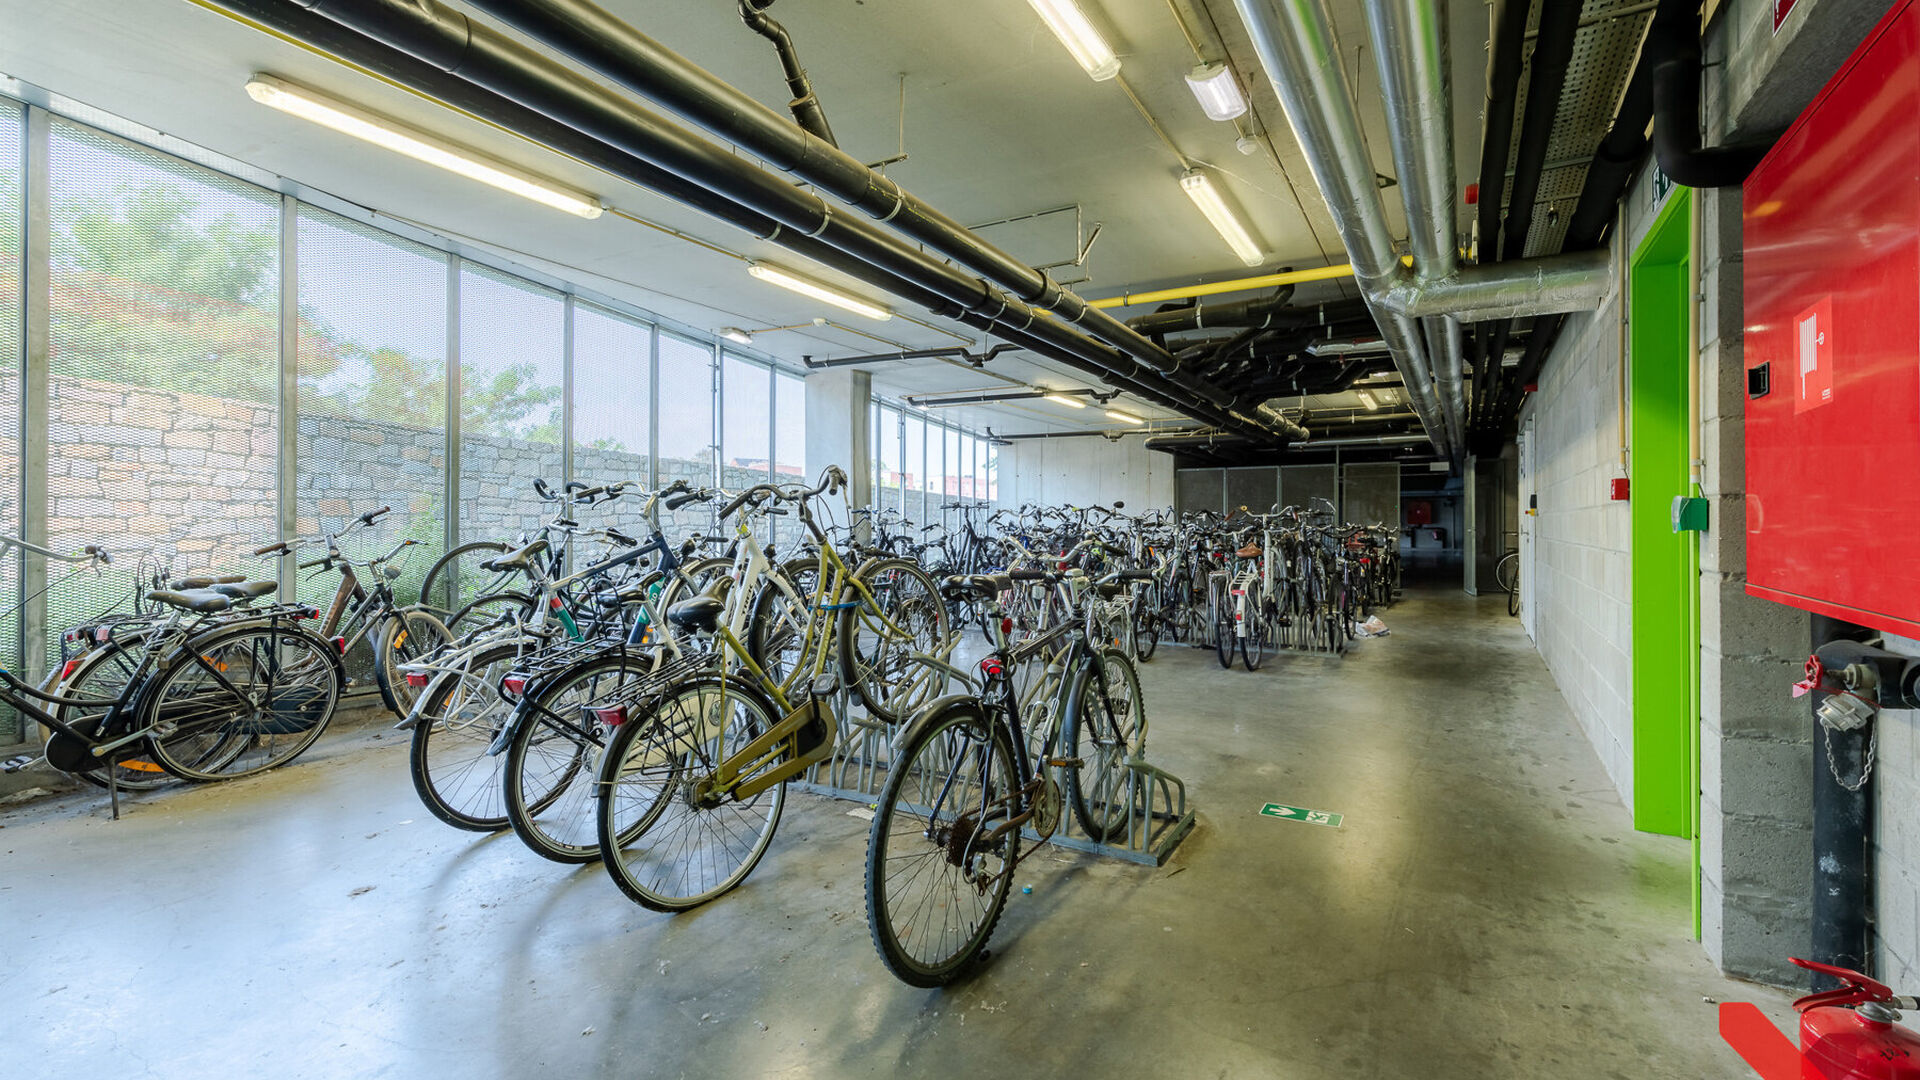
[1062, 399]
[736, 335]
[352, 120]
[793, 282]
[1070, 25]
[1124, 417]
[1218, 92]
[1199, 187]
[1368, 400]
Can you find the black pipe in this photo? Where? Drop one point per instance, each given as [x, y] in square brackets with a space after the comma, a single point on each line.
[805, 106]
[1673, 48]
[1259, 311]
[1503, 82]
[439, 36]
[951, 352]
[596, 38]
[1842, 826]
[1552, 51]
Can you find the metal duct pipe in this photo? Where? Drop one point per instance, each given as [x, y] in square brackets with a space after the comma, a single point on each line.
[1509, 31]
[600, 40]
[1302, 61]
[805, 106]
[1548, 285]
[945, 352]
[485, 58]
[1260, 311]
[1410, 46]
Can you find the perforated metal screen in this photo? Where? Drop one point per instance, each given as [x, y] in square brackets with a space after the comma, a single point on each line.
[686, 425]
[612, 392]
[163, 341]
[12, 357]
[511, 381]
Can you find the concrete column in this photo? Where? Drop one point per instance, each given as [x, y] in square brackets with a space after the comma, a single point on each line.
[839, 405]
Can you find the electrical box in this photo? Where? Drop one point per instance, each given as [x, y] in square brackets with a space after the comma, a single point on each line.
[1831, 229]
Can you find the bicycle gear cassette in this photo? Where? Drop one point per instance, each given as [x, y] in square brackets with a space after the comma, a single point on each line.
[1047, 806]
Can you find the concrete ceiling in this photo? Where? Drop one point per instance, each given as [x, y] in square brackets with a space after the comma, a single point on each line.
[999, 122]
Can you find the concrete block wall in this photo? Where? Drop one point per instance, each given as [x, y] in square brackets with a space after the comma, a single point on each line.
[1896, 840]
[1581, 583]
[1085, 472]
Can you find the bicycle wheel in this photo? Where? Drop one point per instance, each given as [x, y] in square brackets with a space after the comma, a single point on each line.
[778, 625]
[1223, 641]
[1506, 572]
[1253, 647]
[102, 673]
[456, 580]
[668, 847]
[1513, 595]
[1146, 634]
[241, 700]
[550, 762]
[937, 873]
[409, 635]
[1103, 731]
[484, 610]
[877, 661]
[455, 776]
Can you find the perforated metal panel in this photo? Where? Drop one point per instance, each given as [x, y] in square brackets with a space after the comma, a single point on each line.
[164, 357]
[511, 379]
[12, 356]
[1255, 489]
[372, 430]
[1195, 490]
[790, 448]
[611, 398]
[887, 448]
[686, 427]
[1370, 494]
[914, 477]
[1301, 484]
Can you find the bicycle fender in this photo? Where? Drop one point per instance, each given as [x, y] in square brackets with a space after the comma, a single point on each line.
[941, 709]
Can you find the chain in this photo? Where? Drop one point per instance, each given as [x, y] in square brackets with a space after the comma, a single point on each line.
[1866, 770]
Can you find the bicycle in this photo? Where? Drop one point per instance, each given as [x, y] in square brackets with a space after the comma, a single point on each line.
[969, 781]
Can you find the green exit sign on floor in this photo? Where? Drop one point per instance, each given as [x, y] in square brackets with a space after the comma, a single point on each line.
[1301, 813]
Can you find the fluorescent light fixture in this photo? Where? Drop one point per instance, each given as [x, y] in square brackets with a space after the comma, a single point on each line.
[1199, 187]
[793, 282]
[1124, 417]
[1070, 25]
[1062, 399]
[736, 335]
[1369, 401]
[1217, 91]
[352, 120]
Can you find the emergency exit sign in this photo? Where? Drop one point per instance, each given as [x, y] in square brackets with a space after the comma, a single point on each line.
[1781, 8]
[1301, 813]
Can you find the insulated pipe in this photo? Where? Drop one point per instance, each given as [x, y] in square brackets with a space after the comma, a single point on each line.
[1302, 61]
[946, 352]
[1548, 285]
[479, 55]
[595, 37]
[1259, 311]
[1673, 45]
[1410, 46]
[805, 106]
[1503, 82]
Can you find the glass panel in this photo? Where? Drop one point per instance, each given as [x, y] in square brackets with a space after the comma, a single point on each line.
[511, 340]
[611, 389]
[12, 359]
[747, 402]
[992, 471]
[888, 436]
[914, 479]
[686, 427]
[373, 392]
[790, 448]
[164, 344]
[955, 465]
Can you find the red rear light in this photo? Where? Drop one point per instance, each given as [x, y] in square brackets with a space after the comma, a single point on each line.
[1006, 626]
[514, 684]
[612, 715]
[992, 668]
[416, 678]
[340, 645]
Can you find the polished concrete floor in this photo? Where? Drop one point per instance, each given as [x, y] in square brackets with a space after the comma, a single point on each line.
[1484, 910]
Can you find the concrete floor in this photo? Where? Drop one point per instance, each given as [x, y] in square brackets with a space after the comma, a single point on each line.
[1484, 911]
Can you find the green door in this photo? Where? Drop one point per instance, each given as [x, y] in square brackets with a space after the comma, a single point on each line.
[1664, 585]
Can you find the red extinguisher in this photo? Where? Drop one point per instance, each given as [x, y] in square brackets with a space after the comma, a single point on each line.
[1851, 1032]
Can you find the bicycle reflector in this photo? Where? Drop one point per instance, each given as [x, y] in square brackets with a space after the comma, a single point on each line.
[514, 684]
[417, 678]
[992, 668]
[68, 669]
[1006, 625]
[340, 645]
[610, 715]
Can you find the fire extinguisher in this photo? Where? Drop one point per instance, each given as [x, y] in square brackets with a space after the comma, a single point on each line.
[1851, 1033]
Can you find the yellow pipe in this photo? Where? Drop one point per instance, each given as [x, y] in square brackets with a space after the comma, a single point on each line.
[1264, 281]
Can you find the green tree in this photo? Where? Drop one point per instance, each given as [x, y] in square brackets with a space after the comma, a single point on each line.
[510, 403]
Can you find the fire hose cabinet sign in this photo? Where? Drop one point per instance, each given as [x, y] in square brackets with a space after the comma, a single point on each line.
[1830, 226]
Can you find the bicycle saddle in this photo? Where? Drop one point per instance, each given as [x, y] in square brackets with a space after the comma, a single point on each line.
[975, 586]
[205, 581]
[700, 614]
[515, 560]
[199, 600]
[1251, 551]
[613, 598]
[245, 590]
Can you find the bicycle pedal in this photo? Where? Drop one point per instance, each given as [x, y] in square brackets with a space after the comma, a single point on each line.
[1066, 762]
[16, 763]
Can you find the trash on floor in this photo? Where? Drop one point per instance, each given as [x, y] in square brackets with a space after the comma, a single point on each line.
[1373, 627]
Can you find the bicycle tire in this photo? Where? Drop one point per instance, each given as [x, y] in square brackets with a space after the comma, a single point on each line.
[103, 672]
[408, 634]
[485, 609]
[678, 743]
[898, 856]
[879, 665]
[1513, 598]
[1146, 635]
[554, 815]
[460, 716]
[777, 629]
[1110, 741]
[1223, 641]
[1253, 647]
[204, 731]
[444, 590]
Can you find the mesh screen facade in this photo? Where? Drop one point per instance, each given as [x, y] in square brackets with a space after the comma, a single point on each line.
[12, 363]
